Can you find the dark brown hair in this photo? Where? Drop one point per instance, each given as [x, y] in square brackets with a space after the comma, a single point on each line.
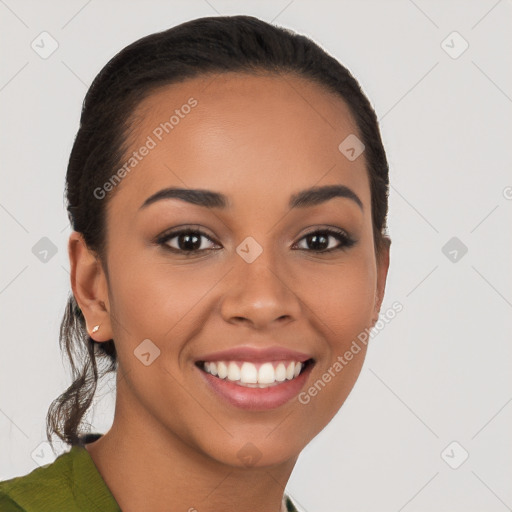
[198, 47]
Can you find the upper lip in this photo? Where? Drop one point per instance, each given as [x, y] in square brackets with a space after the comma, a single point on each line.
[256, 354]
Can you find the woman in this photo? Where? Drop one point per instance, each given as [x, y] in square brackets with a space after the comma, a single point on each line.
[227, 190]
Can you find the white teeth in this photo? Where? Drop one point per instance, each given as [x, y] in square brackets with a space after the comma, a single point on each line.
[233, 371]
[246, 373]
[222, 370]
[289, 371]
[280, 372]
[266, 374]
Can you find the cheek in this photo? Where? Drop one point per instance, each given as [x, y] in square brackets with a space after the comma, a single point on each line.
[161, 302]
[341, 301]
[342, 298]
[158, 297]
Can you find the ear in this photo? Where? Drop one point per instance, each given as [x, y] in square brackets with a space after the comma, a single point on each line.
[382, 273]
[90, 287]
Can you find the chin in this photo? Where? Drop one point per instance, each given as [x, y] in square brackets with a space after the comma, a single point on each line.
[256, 453]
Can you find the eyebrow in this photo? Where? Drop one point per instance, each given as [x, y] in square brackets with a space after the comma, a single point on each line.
[209, 199]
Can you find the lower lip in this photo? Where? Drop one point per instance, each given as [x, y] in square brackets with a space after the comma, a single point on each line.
[257, 399]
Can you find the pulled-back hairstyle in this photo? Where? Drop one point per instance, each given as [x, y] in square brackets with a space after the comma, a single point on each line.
[198, 47]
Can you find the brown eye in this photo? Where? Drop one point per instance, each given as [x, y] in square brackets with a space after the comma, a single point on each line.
[187, 241]
[326, 240]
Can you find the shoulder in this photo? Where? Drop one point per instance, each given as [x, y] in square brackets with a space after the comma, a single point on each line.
[7, 504]
[49, 487]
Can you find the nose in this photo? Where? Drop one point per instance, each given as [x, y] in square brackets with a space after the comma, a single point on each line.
[259, 295]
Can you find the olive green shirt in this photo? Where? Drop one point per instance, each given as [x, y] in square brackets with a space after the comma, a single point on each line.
[71, 483]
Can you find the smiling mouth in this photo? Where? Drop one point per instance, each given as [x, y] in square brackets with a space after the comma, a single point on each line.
[255, 375]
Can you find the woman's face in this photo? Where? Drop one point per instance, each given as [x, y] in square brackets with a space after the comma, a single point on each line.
[252, 278]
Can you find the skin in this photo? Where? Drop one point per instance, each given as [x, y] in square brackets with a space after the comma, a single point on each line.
[257, 139]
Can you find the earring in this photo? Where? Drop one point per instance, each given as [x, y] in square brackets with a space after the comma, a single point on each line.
[96, 328]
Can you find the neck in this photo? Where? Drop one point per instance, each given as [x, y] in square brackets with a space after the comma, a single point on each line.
[146, 467]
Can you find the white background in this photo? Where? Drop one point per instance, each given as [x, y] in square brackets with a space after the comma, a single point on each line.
[440, 371]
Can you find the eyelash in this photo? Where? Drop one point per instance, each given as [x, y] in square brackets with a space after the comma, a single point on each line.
[344, 239]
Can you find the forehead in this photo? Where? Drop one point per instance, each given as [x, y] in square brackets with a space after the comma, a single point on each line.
[253, 137]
